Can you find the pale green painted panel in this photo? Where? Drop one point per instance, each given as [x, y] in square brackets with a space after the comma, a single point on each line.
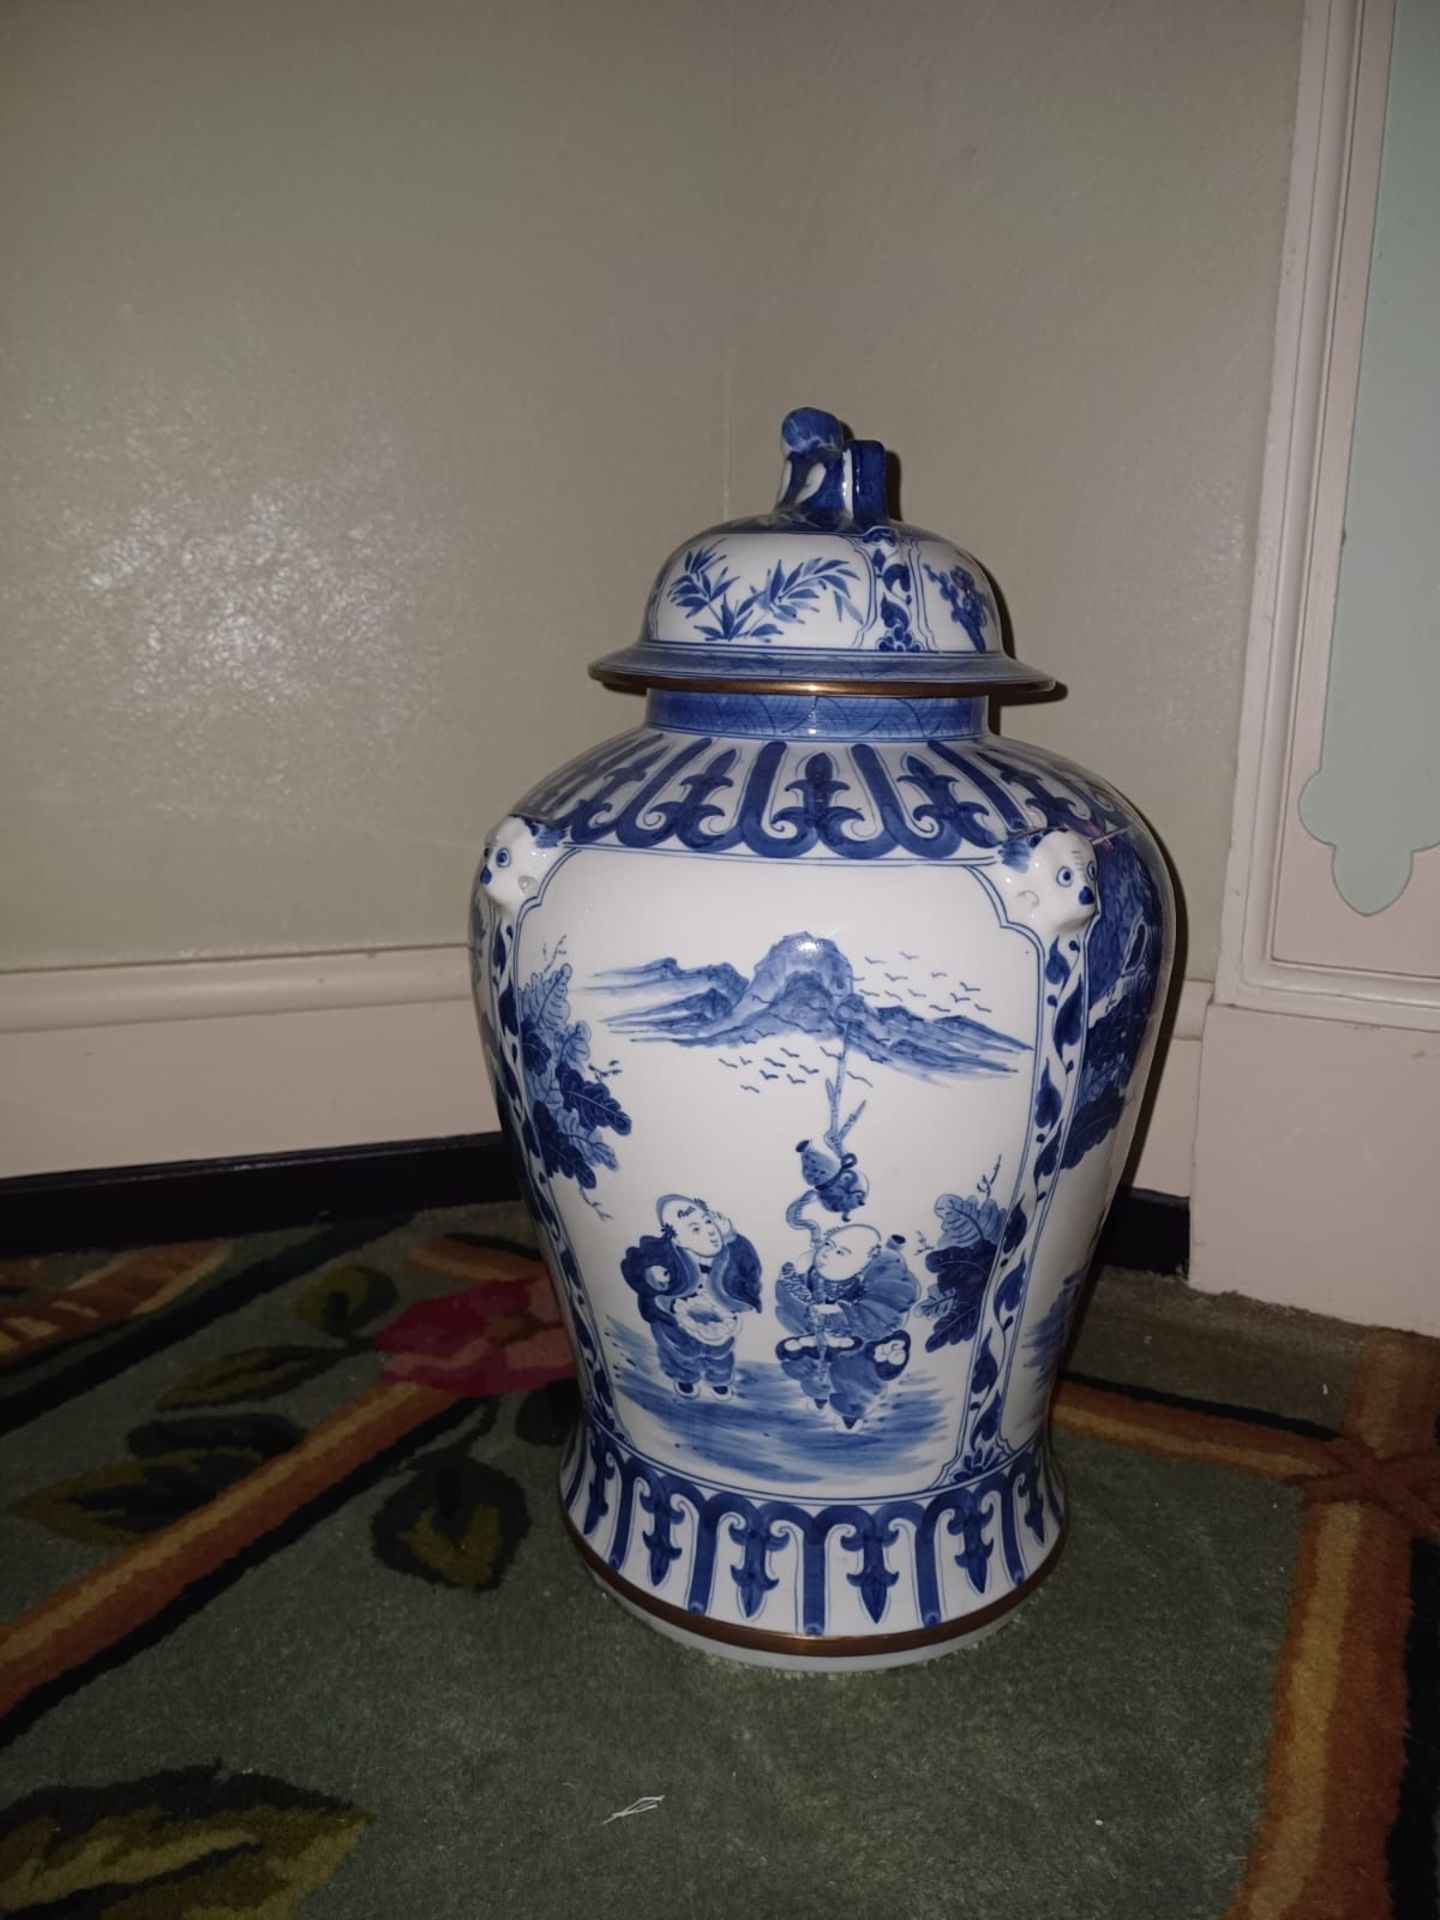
[1376, 798]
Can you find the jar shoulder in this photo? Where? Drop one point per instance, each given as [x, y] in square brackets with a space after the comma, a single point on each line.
[776, 798]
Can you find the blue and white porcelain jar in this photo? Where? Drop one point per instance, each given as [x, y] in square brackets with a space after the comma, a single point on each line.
[817, 1017]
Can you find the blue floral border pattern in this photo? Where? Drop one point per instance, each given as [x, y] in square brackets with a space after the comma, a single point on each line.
[896, 595]
[1058, 1090]
[674, 1537]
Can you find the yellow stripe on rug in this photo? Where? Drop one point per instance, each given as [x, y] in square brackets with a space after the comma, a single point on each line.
[79, 1621]
[1337, 1749]
[130, 1284]
[1190, 1433]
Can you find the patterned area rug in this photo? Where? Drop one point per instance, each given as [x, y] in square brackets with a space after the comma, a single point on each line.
[294, 1628]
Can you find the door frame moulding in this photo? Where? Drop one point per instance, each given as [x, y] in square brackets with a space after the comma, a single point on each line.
[1334, 185]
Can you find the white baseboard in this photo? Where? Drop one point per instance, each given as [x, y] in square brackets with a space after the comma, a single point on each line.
[1165, 1160]
[201, 1060]
[217, 1059]
[56, 998]
[1315, 1167]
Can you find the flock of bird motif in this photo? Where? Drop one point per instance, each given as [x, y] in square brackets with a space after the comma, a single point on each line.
[964, 998]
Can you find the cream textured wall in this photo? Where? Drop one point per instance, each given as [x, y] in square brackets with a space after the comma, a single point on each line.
[1058, 230]
[347, 345]
[358, 359]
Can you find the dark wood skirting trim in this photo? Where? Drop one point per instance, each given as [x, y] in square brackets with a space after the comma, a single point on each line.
[112, 1207]
[1148, 1231]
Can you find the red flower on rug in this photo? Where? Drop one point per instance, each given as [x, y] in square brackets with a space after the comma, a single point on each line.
[501, 1335]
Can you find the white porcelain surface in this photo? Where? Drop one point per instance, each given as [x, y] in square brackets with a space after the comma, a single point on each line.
[817, 1024]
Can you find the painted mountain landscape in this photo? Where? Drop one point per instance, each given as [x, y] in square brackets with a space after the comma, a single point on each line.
[804, 985]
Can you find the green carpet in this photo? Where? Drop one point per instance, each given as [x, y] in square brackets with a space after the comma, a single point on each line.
[295, 1628]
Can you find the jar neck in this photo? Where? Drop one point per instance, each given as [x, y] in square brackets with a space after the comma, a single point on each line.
[807, 716]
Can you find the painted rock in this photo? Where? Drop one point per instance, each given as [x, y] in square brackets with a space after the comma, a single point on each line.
[817, 1016]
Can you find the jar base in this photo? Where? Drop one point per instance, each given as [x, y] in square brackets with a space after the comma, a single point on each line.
[802, 1653]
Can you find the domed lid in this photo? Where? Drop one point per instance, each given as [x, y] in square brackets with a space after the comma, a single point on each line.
[826, 594]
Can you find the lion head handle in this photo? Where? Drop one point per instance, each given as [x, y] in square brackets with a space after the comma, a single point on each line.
[1049, 882]
[518, 855]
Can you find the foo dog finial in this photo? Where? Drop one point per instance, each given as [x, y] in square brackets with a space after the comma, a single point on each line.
[826, 480]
